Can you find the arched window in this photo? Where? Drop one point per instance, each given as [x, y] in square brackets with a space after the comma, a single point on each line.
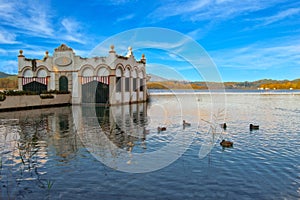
[42, 73]
[127, 79]
[134, 80]
[141, 76]
[119, 80]
[63, 84]
[103, 71]
[28, 73]
[87, 72]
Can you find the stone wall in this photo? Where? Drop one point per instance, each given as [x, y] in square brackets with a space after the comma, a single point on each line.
[30, 101]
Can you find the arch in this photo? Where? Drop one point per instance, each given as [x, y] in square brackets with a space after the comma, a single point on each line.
[87, 72]
[119, 72]
[98, 67]
[119, 65]
[103, 71]
[95, 92]
[87, 69]
[134, 73]
[142, 74]
[27, 73]
[127, 71]
[42, 73]
[127, 74]
[63, 83]
[134, 79]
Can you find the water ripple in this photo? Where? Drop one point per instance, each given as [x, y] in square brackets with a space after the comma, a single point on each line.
[39, 148]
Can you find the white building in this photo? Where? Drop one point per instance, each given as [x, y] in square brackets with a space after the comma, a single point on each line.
[113, 79]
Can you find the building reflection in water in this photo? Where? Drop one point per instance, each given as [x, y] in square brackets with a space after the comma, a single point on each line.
[111, 132]
[123, 125]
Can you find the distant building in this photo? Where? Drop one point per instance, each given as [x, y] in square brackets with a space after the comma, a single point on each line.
[113, 79]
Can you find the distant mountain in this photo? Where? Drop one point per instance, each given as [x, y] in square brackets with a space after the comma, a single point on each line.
[157, 82]
[3, 75]
[155, 78]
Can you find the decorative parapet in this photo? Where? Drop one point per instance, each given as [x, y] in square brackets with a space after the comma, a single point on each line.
[63, 47]
[122, 57]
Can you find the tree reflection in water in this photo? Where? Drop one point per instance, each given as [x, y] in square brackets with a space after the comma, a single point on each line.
[26, 137]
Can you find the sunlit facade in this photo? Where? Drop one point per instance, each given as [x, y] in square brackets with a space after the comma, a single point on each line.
[110, 80]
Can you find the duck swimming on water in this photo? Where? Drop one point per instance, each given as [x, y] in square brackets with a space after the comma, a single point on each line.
[223, 126]
[186, 123]
[161, 128]
[225, 143]
[253, 127]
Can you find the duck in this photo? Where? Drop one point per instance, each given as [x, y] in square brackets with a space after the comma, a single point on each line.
[223, 126]
[225, 143]
[161, 128]
[253, 127]
[186, 123]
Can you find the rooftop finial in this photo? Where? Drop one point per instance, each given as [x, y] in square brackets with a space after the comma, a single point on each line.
[20, 53]
[143, 59]
[46, 55]
[112, 49]
[129, 52]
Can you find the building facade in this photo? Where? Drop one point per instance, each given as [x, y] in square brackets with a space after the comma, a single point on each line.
[110, 80]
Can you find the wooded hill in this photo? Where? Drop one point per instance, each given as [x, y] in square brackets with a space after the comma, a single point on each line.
[4, 75]
[10, 82]
[265, 83]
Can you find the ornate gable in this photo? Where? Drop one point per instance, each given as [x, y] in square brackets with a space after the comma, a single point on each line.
[63, 47]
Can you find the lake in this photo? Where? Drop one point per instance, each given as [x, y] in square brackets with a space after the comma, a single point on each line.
[94, 152]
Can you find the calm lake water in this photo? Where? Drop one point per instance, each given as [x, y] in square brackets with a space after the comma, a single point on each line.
[93, 152]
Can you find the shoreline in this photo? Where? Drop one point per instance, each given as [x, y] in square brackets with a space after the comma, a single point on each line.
[220, 91]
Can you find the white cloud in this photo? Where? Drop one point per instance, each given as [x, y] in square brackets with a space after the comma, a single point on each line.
[279, 16]
[7, 37]
[84, 53]
[144, 38]
[7, 8]
[36, 20]
[9, 66]
[27, 17]
[3, 51]
[70, 25]
[72, 30]
[174, 8]
[208, 10]
[126, 17]
[116, 2]
[260, 56]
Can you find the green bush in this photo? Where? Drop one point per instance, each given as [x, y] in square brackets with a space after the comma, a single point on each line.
[21, 92]
[18, 93]
[46, 96]
[55, 92]
[2, 97]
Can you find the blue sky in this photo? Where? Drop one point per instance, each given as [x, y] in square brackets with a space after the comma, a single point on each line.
[247, 40]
